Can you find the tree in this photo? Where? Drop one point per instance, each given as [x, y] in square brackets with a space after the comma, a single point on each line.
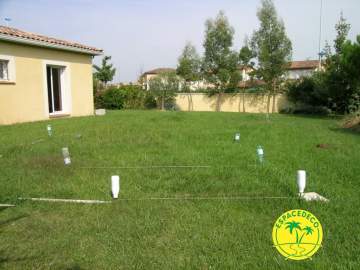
[220, 63]
[105, 73]
[342, 28]
[189, 68]
[245, 57]
[272, 48]
[164, 87]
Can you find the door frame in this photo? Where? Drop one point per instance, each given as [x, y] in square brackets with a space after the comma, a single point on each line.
[65, 81]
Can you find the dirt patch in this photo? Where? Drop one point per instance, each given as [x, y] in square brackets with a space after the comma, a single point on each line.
[45, 161]
[323, 146]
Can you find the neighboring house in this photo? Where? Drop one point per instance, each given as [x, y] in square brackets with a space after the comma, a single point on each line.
[299, 69]
[43, 77]
[245, 72]
[148, 75]
[296, 70]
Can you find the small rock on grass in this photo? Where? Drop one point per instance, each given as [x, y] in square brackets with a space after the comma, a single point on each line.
[313, 196]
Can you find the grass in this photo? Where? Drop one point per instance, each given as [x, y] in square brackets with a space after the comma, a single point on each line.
[174, 234]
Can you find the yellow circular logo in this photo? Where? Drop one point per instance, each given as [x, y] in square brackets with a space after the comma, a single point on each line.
[297, 234]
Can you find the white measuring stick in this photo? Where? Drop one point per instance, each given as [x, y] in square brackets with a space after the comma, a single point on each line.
[145, 167]
[205, 198]
[65, 200]
[7, 205]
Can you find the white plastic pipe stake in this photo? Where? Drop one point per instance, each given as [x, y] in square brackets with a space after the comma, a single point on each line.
[66, 155]
[115, 186]
[237, 137]
[49, 130]
[301, 180]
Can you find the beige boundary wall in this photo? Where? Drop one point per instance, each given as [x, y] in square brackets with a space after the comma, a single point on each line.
[25, 98]
[254, 103]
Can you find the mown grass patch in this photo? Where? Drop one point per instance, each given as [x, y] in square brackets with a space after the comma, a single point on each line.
[174, 234]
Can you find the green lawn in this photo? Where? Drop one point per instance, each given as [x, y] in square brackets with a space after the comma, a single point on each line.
[175, 234]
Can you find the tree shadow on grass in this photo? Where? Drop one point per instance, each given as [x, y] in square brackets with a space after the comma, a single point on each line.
[345, 131]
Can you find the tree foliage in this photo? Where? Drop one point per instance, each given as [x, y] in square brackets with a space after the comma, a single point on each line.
[164, 87]
[106, 72]
[220, 63]
[271, 47]
[189, 64]
[337, 87]
[342, 29]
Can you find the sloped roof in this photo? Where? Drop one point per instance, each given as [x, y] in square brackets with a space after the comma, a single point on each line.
[307, 64]
[19, 36]
[159, 70]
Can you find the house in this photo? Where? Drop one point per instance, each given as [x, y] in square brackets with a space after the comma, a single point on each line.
[299, 69]
[148, 75]
[43, 77]
[295, 70]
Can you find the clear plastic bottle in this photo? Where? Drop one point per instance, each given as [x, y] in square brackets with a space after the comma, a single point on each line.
[49, 130]
[260, 153]
[66, 155]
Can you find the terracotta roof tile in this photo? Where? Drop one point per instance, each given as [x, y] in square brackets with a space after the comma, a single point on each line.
[307, 64]
[159, 70]
[16, 33]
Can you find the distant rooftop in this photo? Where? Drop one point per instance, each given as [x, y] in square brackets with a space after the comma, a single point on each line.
[159, 70]
[15, 35]
[307, 64]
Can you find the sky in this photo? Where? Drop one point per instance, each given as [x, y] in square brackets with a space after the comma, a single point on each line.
[145, 34]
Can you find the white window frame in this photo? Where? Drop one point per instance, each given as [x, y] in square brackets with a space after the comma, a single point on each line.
[65, 81]
[11, 68]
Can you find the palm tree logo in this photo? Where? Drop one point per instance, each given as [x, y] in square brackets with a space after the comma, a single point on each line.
[297, 234]
[294, 226]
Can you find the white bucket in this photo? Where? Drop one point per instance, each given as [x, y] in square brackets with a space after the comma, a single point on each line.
[115, 186]
[301, 180]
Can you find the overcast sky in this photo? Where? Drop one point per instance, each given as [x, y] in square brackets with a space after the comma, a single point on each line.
[146, 34]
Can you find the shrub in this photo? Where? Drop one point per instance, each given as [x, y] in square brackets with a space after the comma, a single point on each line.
[125, 97]
[113, 98]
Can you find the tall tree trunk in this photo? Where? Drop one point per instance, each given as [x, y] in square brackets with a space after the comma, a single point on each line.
[218, 102]
[274, 95]
[163, 103]
[243, 100]
[273, 103]
[268, 104]
[191, 108]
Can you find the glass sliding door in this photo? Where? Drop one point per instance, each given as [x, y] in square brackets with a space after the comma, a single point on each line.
[54, 87]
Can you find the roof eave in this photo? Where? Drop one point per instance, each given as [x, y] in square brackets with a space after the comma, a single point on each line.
[47, 45]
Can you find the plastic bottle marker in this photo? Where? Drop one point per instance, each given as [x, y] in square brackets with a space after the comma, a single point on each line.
[66, 155]
[49, 130]
[115, 186]
[260, 153]
[301, 180]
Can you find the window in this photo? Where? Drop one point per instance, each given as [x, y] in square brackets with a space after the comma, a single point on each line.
[7, 69]
[4, 70]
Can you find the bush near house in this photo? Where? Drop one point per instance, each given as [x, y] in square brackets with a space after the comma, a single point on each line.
[125, 97]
